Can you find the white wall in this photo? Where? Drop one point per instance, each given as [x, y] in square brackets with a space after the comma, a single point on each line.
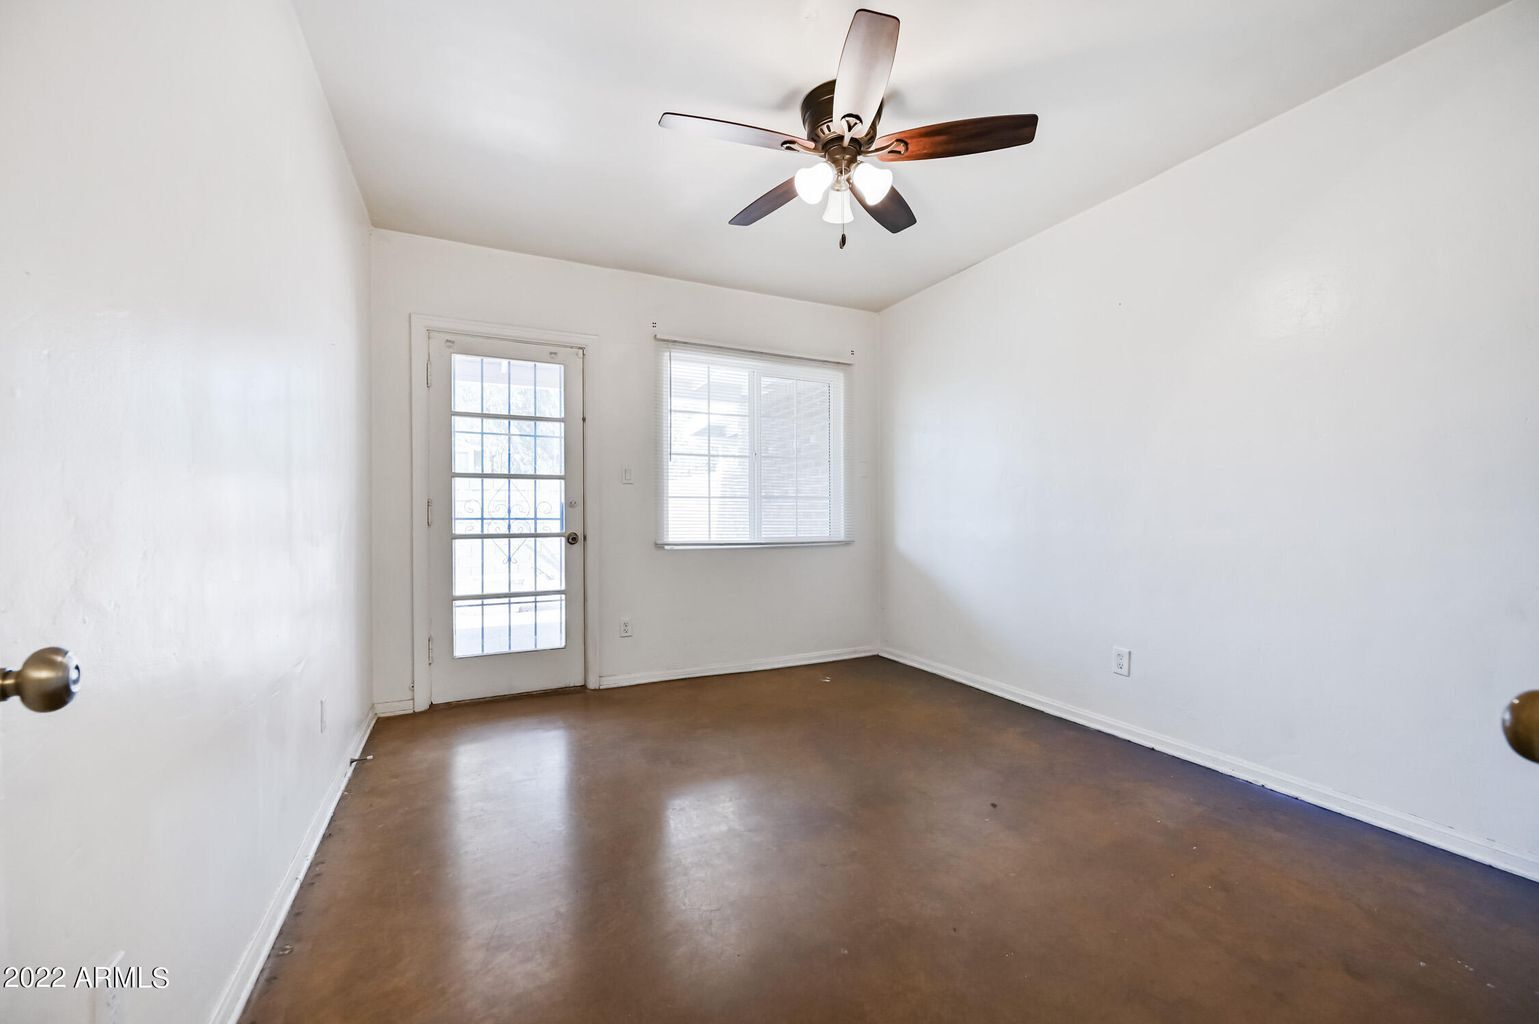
[1268, 420]
[689, 609]
[183, 413]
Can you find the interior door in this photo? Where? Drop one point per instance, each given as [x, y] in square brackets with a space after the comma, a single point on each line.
[505, 517]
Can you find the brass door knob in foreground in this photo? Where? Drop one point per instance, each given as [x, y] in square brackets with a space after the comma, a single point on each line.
[46, 681]
[1521, 724]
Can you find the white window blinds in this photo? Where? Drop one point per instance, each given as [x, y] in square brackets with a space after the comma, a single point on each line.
[750, 448]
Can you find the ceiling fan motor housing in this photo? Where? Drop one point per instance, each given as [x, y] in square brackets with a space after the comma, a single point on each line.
[818, 119]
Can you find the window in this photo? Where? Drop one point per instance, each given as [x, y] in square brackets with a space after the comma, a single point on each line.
[507, 466]
[751, 449]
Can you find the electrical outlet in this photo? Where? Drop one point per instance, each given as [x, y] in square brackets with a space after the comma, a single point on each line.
[1122, 661]
[323, 714]
[625, 628]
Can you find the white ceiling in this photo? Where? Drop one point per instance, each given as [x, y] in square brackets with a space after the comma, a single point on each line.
[532, 126]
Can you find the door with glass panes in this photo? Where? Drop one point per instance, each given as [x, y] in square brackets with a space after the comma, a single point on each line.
[505, 532]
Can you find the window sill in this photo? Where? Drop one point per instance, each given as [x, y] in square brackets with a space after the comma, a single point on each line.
[749, 547]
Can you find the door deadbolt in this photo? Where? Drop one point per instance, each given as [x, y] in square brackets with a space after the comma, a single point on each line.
[46, 681]
[571, 538]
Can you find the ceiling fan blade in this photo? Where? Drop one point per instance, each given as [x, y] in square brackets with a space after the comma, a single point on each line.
[766, 204]
[731, 131]
[958, 138]
[892, 212]
[864, 67]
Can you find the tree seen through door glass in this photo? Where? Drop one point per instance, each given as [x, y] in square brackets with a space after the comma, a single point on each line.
[507, 387]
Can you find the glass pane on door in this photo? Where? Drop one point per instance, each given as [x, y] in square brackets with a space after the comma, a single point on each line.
[508, 625]
[508, 505]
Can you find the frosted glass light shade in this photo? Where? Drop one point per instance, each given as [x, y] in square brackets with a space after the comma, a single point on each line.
[838, 210]
[812, 182]
[873, 182]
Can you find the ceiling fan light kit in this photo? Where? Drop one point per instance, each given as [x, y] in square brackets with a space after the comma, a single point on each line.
[838, 210]
[812, 182]
[840, 119]
[871, 181]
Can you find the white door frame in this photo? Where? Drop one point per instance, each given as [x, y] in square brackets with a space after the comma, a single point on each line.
[421, 324]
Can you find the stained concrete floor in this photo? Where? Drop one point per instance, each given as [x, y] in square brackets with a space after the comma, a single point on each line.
[862, 841]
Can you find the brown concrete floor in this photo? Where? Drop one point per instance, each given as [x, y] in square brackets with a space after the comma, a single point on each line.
[884, 846]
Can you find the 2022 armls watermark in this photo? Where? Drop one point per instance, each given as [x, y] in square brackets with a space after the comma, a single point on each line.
[116, 976]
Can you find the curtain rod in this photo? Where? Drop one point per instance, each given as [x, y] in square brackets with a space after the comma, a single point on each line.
[754, 350]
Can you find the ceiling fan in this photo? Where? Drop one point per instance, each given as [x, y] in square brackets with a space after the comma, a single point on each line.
[840, 118]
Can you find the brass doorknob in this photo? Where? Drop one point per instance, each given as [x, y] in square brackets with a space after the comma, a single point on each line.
[46, 681]
[1520, 722]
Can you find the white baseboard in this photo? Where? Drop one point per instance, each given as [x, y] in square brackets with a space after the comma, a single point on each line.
[386, 708]
[811, 658]
[238, 989]
[1486, 851]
